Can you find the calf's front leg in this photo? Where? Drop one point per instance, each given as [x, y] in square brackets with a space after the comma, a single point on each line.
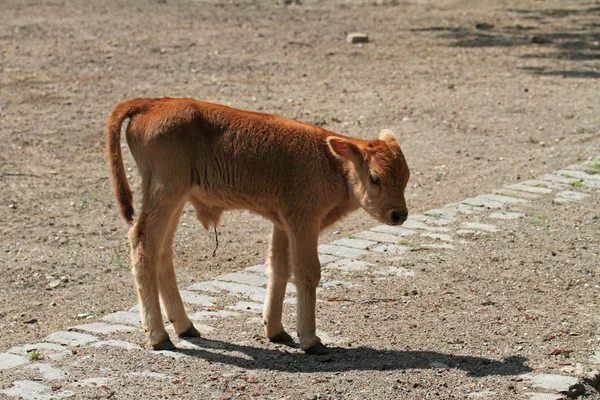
[279, 274]
[307, 274]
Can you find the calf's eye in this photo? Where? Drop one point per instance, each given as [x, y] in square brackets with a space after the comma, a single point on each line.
[375, 180]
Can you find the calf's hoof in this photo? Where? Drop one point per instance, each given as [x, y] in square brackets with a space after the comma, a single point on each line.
[191, 332]
[282, 337]
[317, 350]
[164, 344]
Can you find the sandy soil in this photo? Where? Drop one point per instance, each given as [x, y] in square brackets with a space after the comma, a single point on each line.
[482, 95]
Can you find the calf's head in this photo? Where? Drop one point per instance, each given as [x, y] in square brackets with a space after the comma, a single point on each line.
[377, 173]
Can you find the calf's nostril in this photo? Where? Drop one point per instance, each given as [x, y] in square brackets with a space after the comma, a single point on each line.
[399, 216]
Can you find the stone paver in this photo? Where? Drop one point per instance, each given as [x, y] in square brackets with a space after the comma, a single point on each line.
[349, 266]
[252, 292]
[247, 306]
[341, 251]
[569, 195]
[480, 227]
[116, 343]
[103, 328]
[52, 351]
[414, 222]
[360, 244]
[506, 215]
[441, 213]
[31, 390]
[260, 269]
[544, 396]
[327, 258]
[73, 339]
[390, 248]
[204, 315]
[482, 202]
[248, 279]
[8, 360]
[530, 189]
[124, 317]
[394, 230]
[46, 371]
[502, 199]
[379, 237]
[559, 383]
[204, 287]
[438, 236]
[195, 298]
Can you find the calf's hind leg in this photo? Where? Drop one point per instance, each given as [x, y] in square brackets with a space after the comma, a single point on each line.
[279, 274]
[167, 284]
[146, 239]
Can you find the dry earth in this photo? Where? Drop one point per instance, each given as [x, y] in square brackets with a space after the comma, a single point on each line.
[482, 95]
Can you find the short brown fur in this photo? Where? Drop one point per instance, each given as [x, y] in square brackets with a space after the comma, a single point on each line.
[300, 177]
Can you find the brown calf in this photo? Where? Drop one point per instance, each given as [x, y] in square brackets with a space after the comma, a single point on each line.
[300, 177]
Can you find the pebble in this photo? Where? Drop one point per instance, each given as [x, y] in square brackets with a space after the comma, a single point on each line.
[357, 37]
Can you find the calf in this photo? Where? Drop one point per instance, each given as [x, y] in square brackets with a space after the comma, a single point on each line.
[299, 176]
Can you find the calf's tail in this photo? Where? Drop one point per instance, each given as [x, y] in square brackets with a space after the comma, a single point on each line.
[121, 187]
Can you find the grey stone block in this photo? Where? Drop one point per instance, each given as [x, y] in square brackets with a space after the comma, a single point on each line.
[73, 339]
[205, 287]
[442, 214]
[31, 390]
[544, 396]
[544, 184]
[506, 215]
[556, 179]
[116, 343]
[341, 251]
[530, 189]
[517, 194]
[46, 371]
[239, 289]
[379, 237]
[559, 383]
[360, 244]
[480, 227]
[346, 265]
[327, 258]
[414, 222]
[438, 236]
[502, 199]
[204, 315]
[391, 249]
[393, 230]
[441, 246]
[249, 279]
[246, 306]
[8, 360]
[573, 196]
[260, 269]
[124, 317]
[103, 328]
[52, 351]
[195, 298]
[574, 174]
[482, 202]
[484, 394]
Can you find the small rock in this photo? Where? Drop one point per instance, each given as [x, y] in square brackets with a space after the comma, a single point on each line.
[357, 37]
[537, 39]
[12, 206]
[54, 283]
[484, 26]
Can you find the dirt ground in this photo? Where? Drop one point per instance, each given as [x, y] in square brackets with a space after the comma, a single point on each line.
[481, 95]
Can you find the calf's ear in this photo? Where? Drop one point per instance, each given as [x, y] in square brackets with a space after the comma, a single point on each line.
[387, 135]
[341, 148]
